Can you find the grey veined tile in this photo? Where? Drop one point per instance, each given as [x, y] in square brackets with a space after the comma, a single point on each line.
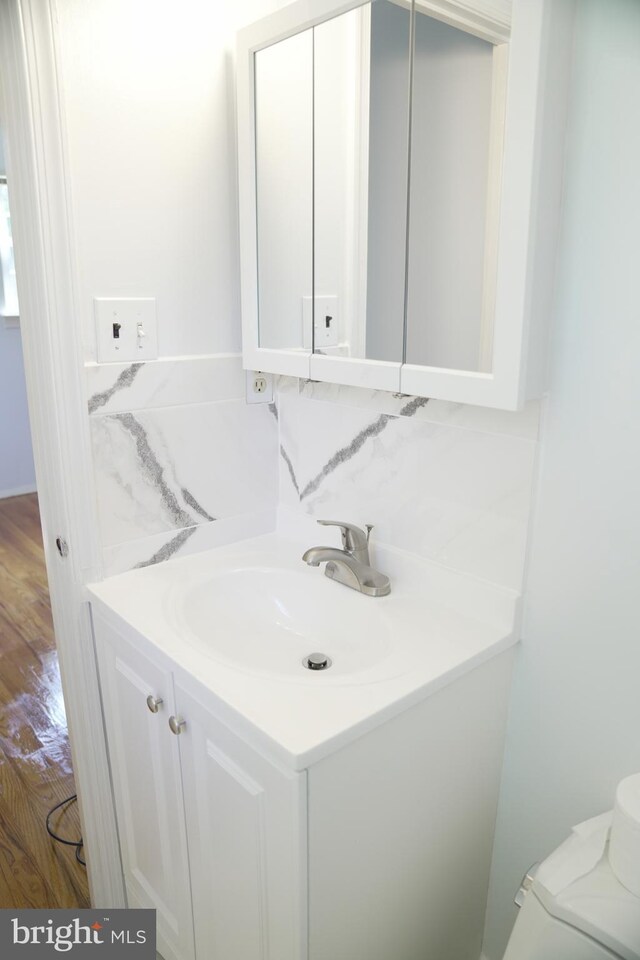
[120, 387]
[176, 467]
[457, 496]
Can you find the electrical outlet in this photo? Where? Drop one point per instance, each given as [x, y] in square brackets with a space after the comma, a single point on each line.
[126, 329]
[259, 387]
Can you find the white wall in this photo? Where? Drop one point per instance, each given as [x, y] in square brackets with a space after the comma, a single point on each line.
[575, 713]
[284, 188]
[148, 95]
[149, 98]
[388, 168]
[17, 472]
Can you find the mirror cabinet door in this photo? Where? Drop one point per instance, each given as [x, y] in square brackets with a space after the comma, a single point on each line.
[331, 158]
[361, 141]
[284, 189]
[456, 145]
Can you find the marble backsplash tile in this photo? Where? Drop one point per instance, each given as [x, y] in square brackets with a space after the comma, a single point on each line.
[145, 551]
[524, 423]
[177, 467]
[181, 461]
[121, 387]
[451, 493]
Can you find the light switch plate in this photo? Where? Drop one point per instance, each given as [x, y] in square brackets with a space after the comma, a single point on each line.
[126, 329]
[325, 322]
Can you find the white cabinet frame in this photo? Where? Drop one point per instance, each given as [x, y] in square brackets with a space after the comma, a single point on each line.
[532, 40]
[529, 216]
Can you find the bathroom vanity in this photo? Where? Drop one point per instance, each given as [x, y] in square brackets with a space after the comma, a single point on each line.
[270, 811]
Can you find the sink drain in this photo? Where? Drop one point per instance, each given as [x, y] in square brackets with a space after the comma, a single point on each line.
[317, 661]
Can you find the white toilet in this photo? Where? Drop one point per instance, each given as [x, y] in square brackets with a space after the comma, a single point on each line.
[592, 918]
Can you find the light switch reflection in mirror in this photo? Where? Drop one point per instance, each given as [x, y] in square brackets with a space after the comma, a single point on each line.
[361, 136]
[332, 155]
[284, 185]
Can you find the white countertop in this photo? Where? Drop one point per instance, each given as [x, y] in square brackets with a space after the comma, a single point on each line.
[442, 624]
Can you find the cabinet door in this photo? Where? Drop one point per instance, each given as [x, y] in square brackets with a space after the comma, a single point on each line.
[145, 767]
[246, 824]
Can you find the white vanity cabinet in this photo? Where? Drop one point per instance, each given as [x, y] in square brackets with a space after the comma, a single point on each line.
[145, 771]
[209, 830]
[376, 847]
[245, 832]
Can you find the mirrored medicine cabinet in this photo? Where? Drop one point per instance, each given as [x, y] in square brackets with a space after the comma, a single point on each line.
[399, 177]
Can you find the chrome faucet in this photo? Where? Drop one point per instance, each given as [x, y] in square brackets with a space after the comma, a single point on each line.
[351, 565]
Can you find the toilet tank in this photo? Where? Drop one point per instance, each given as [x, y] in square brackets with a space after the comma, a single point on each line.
[539, 936]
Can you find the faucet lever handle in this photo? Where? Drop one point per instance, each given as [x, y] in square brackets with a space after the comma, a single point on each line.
[353, 538]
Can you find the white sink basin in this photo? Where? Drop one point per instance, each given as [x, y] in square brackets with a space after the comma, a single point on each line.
[265, 619]
[238, 620]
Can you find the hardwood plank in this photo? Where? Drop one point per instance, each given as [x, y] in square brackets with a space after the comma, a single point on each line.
[43, 873]
[23, 509]
[35, 759]
[23, 517]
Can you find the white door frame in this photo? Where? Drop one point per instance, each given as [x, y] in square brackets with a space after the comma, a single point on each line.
[37, 173]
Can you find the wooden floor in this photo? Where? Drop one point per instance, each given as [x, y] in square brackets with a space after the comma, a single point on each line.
[35, 762]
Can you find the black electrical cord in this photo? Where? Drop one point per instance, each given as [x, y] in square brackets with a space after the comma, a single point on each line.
[78, 844]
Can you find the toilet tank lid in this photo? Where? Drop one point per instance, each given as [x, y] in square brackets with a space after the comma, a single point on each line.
[598, 905]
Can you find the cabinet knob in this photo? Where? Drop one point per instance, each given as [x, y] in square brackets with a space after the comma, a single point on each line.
[176, 724]
[154, 703]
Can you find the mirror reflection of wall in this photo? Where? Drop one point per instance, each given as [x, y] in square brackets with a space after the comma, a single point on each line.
[284, 189]
[361, 82]
[340, 92]
[338, 264]
[449, 313]
[331, 125]
[388, 174]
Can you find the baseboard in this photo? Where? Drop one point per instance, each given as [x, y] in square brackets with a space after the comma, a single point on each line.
[17, 491]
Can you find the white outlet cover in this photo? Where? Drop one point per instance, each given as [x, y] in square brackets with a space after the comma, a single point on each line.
[252, 396]
[135, 315]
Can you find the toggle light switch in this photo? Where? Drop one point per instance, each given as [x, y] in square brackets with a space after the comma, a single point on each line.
[126, 329]
[325, 325]
[326, 322]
